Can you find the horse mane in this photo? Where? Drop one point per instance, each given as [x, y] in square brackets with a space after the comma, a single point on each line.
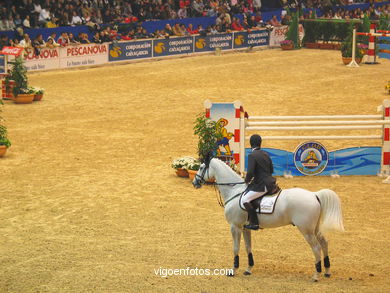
[226, 168]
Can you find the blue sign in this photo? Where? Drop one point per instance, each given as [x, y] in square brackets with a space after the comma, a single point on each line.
[130, 50]
[210, 43]
[384, 48]
[250, 39]
[311, 158]
[174, 46]
[350, 161]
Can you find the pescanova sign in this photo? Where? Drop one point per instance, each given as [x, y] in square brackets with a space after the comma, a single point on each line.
[83, 55]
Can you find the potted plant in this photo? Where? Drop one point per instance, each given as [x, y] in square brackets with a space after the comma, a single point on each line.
[180, 165]
[4, 141]
[193, 168]
[208, 135]
[38, 93]
[287, 45]
[18, 73]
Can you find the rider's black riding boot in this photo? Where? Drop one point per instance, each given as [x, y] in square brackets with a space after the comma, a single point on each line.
[253, 220]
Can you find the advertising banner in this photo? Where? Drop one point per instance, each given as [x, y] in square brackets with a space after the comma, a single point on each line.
[250, 39]
[209, 43]
[83, 55]
[130, 50]
[174, 46]
[47, 59]
[277, 35]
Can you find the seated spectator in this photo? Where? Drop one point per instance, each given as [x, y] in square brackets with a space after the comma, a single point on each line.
[52, 23]
[168, 30]
[184, 30]
[51, 43]
[44, 16]
[76, 20]
[182, 12]
[236, 25]
[197, 8]
[14, 42]
[38, 44]
[26, 22]
[72, 39]
[252, 21]
[25, 42]
[286, 19]
[4, 41]
[63, 40]
[201, 31]
[17, 20]
[96, 38]
[159, 34]
[191, 30]
[213, 30]
[177, 30]
[274, 21]
[83, 38]
[104, 36]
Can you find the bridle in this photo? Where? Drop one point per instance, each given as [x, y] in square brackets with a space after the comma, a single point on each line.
[200, 180]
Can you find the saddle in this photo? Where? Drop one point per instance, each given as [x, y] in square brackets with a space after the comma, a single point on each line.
[274, 193]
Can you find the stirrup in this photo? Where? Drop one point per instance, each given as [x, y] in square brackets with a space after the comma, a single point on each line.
[252, 227]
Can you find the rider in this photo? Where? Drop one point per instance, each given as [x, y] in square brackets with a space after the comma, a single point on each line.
[259, 179]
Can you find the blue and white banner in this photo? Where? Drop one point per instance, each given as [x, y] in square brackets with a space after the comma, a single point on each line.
[350, 161]
[130, 50]
[173, 46]
[250, 39]
[210, 43]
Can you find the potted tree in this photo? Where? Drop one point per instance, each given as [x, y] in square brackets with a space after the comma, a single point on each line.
[18, 73]
[4, 141]
[292, 36]
[208, 135]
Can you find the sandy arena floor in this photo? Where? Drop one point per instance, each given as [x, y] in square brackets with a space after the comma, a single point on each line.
[89, 202]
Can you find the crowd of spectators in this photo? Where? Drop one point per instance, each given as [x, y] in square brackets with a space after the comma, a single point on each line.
[19, 15]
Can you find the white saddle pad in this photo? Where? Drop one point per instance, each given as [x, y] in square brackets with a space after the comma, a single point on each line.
[267, 204]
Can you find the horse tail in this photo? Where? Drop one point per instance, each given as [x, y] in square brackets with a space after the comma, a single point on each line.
[331, 218]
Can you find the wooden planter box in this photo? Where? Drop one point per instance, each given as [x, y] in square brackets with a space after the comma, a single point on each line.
[24, 98]
[326, 46]
[287, 46]
[311, 45]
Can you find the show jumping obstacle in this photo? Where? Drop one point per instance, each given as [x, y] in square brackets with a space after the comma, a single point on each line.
[239, 123]
[371, 57]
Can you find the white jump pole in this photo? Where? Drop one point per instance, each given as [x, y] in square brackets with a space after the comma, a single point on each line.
[353, 62]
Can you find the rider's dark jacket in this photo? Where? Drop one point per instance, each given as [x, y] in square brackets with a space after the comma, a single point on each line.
[260, 168]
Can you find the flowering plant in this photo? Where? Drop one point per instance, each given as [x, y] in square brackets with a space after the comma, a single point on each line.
[186, 163]
[387, 87]
[38, 90]
[286, 42]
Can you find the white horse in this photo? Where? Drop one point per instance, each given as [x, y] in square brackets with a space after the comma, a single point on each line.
[313, 213]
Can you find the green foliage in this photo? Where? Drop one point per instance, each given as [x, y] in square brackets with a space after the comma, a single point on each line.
[346, 46]
[292, 33]
[18, 73]
[3, 133]
[208, 135]
[327, 30]
[384, 22]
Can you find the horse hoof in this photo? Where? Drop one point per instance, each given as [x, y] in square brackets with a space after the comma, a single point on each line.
[246, 273]
[327, 275]
[230, 275]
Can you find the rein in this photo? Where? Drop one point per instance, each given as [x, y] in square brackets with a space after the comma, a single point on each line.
[215, 184]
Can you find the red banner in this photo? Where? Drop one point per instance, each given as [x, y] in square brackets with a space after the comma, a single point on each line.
[11, 51]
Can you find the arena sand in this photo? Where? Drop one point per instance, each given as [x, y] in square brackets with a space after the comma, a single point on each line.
[89, 202]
